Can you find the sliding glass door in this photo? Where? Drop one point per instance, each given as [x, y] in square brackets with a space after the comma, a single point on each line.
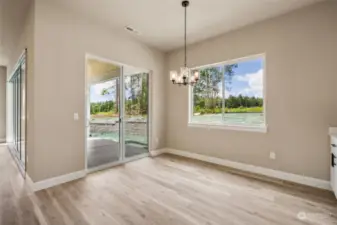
[136, 115]
[18, 85]
[117, 124]
[103, 144]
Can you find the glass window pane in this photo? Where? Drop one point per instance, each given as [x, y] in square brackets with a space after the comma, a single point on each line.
[18, 115]
[104, 138]
[244, 93]
[136, 114]
[19, 112]
[207, 96]
[14, 113]
[23, 113]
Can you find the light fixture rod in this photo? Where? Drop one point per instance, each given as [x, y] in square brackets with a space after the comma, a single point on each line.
[185, 6]
[184, 77]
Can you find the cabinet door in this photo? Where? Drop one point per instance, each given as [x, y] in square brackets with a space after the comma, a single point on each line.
[334, 170]
[333, 167]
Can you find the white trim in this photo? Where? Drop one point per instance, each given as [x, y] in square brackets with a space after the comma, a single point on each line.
[229, 127]
[104, 166]
[121, 115]
[17, 64]
[150, 109]
[86, 110]
[29, 183]
[308, 181]
[44, 184]
[157, 152]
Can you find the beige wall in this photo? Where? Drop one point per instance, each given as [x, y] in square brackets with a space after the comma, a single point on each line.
[61, 40]
[3, 79]
[301, 53]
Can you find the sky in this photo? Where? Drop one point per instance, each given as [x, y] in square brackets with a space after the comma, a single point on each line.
[248, 79]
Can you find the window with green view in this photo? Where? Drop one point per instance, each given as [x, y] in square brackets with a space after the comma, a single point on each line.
[230, 94]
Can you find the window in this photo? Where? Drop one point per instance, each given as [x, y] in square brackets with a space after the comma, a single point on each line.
[230, 94]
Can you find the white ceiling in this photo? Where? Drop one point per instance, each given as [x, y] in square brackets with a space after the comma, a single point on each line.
[160, 22]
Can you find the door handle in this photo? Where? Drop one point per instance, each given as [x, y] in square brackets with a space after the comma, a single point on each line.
[334, 145]
[333, 164]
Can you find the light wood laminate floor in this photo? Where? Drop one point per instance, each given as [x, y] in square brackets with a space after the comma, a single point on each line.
[163, 190]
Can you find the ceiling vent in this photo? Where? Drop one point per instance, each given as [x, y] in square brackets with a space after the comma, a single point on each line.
[132, 30]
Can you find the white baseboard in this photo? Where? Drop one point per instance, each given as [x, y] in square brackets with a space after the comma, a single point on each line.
[29, 183]
[157, 152]
[309, 181]
[44, 184]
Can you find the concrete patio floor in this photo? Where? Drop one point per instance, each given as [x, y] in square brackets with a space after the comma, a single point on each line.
[103, 151]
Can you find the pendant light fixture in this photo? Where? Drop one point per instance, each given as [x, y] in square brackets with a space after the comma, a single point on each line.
[184, 77]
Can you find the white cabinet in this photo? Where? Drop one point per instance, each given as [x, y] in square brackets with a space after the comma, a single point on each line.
[333, 162]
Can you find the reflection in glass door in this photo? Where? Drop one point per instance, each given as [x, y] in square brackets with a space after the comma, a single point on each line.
[103, 143]
[135, 115]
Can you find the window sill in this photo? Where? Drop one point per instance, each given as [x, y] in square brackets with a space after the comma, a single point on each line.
[262, 129]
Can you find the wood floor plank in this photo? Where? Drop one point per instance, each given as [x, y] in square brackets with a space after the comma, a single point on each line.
[166, 190]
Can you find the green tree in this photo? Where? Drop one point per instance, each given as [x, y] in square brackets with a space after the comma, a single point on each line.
[229, 74]
[206, 92]
[136, 89]
[207, 87]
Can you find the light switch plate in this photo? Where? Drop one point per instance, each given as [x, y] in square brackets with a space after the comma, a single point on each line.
[76, 116]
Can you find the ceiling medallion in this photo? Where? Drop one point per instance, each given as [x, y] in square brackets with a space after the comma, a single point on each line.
[184, 77]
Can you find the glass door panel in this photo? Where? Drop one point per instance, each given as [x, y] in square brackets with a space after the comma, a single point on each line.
[14, 112]
[23, 113]
[18, 84]
[103, 143]
[135, 115]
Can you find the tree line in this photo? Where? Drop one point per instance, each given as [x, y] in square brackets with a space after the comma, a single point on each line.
[232, 104]
[107, 106]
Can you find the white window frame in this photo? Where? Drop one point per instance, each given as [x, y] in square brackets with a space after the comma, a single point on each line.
[223, 125]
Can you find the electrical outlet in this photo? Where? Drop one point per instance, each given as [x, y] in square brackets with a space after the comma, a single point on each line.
[157, 140]
[272, 155]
